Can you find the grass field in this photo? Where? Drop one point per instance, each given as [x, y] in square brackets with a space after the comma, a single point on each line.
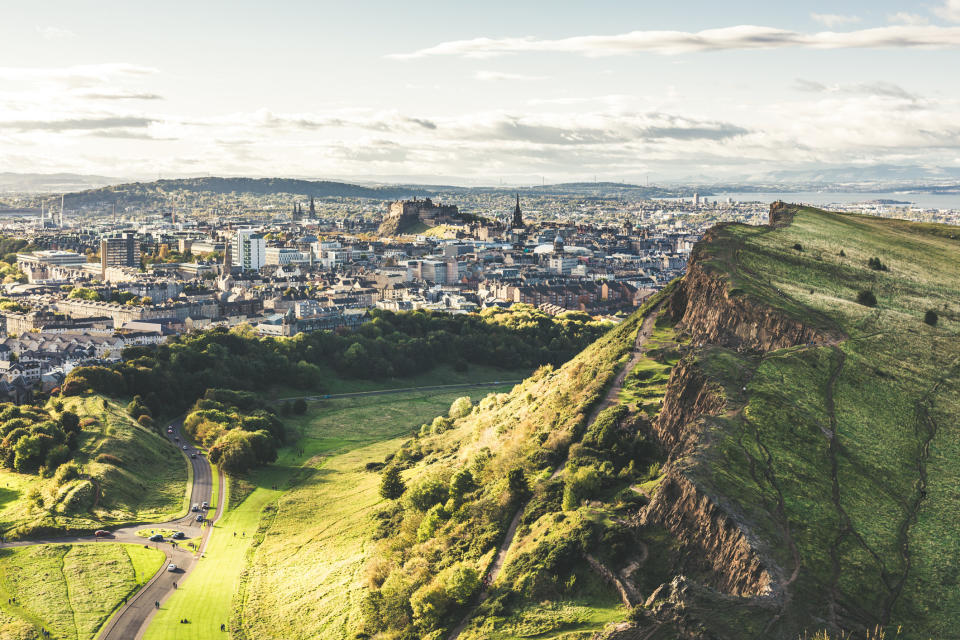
[859, 439]
[148, 485]
[302, 527]
[69, 590]
[441, 375]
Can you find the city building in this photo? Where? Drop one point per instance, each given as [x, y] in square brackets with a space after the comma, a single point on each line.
[249, 249]
[120, 250]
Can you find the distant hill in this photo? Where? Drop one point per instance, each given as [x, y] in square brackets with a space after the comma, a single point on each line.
[141, 191]
[50, 182]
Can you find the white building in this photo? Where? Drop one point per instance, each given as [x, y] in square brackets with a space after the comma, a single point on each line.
[284, 256]
[249, 248]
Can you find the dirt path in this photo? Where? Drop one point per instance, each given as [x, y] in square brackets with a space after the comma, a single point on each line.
[610, 399]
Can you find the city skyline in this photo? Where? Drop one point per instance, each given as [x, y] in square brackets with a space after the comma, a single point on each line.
[480, 94]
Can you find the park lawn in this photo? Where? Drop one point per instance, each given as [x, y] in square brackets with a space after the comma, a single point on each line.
[69, 590]
[336, 426]
[441, 375]
[148, 485]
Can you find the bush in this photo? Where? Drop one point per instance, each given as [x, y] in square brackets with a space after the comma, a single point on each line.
[461, 407]
[106, 458]
[867, 298]
[798, 247]
[876, 265]
[931, 317]
[430, 491]
[66, 472]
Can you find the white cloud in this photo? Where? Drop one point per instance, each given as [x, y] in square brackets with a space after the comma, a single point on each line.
[76, 76]
[832, 20]
[949, 11]
[904, 17]
[55, 33]
[493, 76]
[676, 42]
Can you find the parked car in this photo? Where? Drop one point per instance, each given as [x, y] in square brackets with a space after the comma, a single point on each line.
[179, 535]
[171, 567]
[200, 518]
[169, 430]
[193, 455]
[185, 447]
[205, 505]
[100, 533]
[196, 507]
[156, 538]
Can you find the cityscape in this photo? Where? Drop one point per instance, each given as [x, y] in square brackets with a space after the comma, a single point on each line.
[489, 321]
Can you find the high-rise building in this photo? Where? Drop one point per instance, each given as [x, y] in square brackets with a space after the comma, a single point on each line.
[249, 248]
[119, 250]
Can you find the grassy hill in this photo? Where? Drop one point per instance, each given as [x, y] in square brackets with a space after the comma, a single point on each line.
[127, 474]
[811, 438]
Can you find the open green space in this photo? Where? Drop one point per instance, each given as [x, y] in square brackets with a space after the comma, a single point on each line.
[140, 477]
[310, 505]
[69, 590]
[440, 375]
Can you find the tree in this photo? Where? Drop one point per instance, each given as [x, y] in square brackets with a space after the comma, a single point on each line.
[461, 484]
[392, 486]
[931, 317]
[517, 482]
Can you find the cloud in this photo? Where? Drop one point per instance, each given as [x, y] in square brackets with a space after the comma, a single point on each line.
[55, 33]
[904, 17]
[832, 20]
[677, 42]
[78, 124]
[949, 11]
[879, 88]
[494, 76]
[117, 94]
[77, 76]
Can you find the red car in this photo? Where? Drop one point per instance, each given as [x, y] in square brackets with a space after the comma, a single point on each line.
[100, 533]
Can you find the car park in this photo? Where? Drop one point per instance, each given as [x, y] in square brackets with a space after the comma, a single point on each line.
[156, 538]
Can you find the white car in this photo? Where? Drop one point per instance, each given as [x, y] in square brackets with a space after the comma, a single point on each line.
[171, 567]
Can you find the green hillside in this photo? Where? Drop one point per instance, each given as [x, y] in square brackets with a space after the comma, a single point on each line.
[121, 473]
[812, 438]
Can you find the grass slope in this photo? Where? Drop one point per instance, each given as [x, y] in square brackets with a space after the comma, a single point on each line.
[872, 511]
[149, 484]
[291, 519]
[69, 590]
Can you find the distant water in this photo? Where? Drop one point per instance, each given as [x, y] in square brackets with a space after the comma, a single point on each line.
[824, 198]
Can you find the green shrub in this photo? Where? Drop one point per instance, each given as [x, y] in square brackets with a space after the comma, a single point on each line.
[931, 317]
[867, 298]
[392, 486]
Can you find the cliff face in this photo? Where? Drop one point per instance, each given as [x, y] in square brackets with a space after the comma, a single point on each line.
[720, 542]
[704, 307]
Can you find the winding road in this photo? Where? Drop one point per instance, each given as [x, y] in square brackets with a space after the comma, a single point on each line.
[131, 620]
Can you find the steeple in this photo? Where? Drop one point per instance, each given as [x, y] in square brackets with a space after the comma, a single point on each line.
[313, 209]
[517, 216]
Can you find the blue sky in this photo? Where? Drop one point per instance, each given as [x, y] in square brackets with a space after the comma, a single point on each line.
[479, 91]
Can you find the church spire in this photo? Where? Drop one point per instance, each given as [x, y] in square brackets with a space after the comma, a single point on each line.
[517, 216]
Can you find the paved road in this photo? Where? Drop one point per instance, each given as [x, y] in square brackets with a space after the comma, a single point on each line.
[383, 392]
[132, 619]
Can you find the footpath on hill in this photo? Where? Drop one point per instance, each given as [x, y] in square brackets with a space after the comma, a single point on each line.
[611, 398]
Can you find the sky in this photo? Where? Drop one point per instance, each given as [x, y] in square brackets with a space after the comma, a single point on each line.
[479, 92]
